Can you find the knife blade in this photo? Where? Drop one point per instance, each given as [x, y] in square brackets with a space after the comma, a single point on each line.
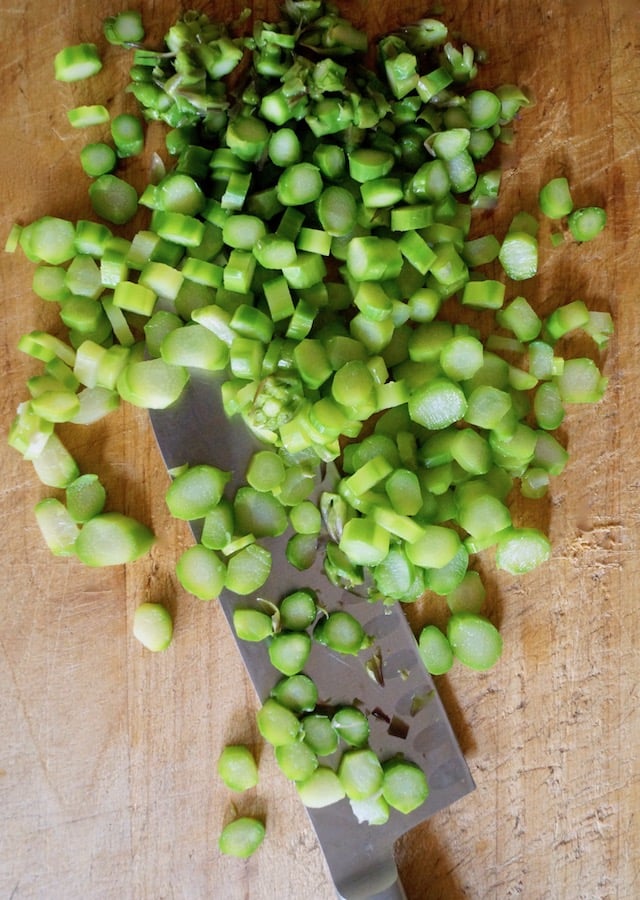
[404, 709]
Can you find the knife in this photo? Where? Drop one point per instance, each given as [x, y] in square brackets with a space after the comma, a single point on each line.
[405, 712]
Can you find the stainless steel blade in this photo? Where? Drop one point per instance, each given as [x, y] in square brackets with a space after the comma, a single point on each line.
[406, 714]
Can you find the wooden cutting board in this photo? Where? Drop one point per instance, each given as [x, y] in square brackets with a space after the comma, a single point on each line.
[107, 760]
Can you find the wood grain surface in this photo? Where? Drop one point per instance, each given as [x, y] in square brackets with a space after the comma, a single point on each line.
[108, 786]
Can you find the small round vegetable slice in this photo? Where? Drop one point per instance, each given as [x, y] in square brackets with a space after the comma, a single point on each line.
[85, 497]
[555, 198]
[241, 837]
[519, 255]
[299, 184]
[298, 610]
[259, 513]
[128, 134]
[320, 734]
[364, 541]
[322, 788]
[298, 693]
[252, 624]
[152, 383]
[97, 159]
[404, 786]
[76, 62]
[289, 651]
[469, 595]
[341, 632]
[360, 773]
[201, 572]
[112, 539]
[306, 518]
[372, 811]
[196, 491]
[437, 547]
[587, 223]
[124, 27]
[266, 471]
[297, 761]
[113, 199]
[437, 404]
[352, 725]
[435, 650]
[521, 550]
[474, 640]
[237, 767]
[51, 240]
[153, 626]
[277, 724]
[248, 569]
[58, 527]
